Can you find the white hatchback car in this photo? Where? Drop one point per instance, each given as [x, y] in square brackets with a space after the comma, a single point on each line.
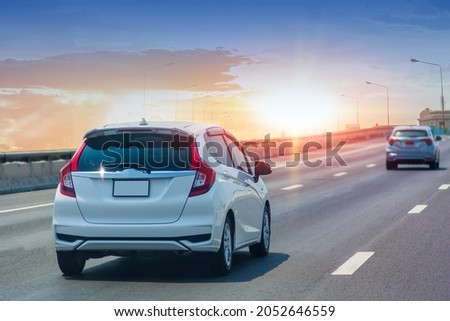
[160, 186]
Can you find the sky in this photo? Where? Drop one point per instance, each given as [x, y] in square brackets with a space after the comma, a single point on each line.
[257, 67]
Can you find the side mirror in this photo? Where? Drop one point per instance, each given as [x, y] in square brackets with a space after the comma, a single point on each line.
[261, 168]
[438, 138]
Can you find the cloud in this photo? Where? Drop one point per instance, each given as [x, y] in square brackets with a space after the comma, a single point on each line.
[209, 70]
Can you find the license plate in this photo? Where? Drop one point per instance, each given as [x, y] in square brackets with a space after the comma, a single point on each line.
[409, 143]
[131, 188]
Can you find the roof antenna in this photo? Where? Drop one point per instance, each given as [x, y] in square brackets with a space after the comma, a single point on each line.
[143, 122]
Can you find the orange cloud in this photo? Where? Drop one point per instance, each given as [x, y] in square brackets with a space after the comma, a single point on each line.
[113, 71]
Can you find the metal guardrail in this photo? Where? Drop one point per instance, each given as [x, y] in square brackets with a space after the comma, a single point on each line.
[34, 156]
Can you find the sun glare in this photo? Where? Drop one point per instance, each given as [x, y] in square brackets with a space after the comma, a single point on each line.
[297, 111]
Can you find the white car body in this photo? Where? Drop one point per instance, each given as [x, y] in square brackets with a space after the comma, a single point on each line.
[125, 209]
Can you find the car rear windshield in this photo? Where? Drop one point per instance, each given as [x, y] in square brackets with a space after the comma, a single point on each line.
[411, 133]
[142, 151]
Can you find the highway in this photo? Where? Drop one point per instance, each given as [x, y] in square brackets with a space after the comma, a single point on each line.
[356, 232]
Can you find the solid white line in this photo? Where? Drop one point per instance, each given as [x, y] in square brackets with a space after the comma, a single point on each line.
[371, 165]
[417, 209]
[25, 208]
[340, 174]
[353, 263]
[288, 188]
[444, 186]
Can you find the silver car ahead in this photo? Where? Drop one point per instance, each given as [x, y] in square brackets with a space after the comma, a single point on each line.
[135, 188]
[412, 145]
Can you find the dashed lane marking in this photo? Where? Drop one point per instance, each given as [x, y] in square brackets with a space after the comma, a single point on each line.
[444, 186]
[417, 209]
[371, 165]
[288, 188]
[25, 208]
[340, 174]
[353, 263]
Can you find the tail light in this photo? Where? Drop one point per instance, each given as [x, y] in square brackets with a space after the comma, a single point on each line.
[65, 174]
[429, 141]
[205, 176]
[391, 141]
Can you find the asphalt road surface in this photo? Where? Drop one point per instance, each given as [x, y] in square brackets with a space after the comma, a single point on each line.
[355, 232]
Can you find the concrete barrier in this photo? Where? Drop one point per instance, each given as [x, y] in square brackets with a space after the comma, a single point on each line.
[22, 176]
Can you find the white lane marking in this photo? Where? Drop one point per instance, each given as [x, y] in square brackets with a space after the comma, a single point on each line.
[417, 209]
[444, 186]
[371, 165]
[25, 208]
[288, 188]
[353, 263]
[340, 174]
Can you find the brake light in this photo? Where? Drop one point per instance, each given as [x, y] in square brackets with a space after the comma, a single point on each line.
[205, 176]
[391, 141]
[65, 174]
[429, 141]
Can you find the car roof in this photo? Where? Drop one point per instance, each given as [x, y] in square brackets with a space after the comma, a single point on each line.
[190, 128]
[412, 127]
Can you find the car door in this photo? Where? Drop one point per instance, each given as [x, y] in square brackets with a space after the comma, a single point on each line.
[248, 203]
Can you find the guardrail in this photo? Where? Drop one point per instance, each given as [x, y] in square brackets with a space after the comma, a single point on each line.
[36, 156]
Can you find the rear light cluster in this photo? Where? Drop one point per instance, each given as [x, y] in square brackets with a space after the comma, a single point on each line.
[391, 141]
[429, 141]
[205, 176]
[65, 174]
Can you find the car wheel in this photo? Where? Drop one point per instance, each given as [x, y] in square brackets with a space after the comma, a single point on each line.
[391, 165]
[262, 248]
[221, 261]
[70, 262]
[434, 165]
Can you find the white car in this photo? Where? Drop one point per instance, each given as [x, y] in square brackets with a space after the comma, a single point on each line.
[160, 186]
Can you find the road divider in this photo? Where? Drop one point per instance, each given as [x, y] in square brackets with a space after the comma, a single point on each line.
[353, 263]
[417, 209]
[288, 188]
[25, 208]
[340, 174]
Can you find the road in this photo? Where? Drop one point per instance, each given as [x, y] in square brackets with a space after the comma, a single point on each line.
[351, 232]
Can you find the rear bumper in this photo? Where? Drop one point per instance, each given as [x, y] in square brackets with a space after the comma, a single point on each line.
[199, 229]
[409, 158]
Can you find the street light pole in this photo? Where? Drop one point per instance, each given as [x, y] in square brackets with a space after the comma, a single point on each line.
[442, 89]
[357, 106]
[387, 98]
[145, 80]
[176, 98]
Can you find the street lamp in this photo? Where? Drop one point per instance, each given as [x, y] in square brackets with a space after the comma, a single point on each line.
[145, 79]
[357, 106]
[176, 98]
[387, 97]
[442, 89]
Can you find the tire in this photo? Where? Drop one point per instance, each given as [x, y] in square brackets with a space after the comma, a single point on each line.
[261, 249]
[435, 164]
[70, 262]
[391, 165]
[222, 261]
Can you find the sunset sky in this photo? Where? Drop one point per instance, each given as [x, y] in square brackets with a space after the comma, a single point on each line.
[254, 66]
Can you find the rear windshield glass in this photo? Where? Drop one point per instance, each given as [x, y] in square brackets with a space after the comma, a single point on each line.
[142, 151]
[410, 133]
